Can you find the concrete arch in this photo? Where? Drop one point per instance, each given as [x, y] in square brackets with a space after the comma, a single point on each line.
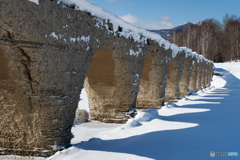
[112, 82]
[194, 74]
[154, 77]
[172, 91]
[47, 50]
[185, 80]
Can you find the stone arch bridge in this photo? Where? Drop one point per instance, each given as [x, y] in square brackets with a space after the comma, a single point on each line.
[48, 50]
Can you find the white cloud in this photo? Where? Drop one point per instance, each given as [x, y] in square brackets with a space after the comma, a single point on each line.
[112, 1]
[165, 23]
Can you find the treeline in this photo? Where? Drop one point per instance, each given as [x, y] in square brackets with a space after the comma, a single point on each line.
[216, 41]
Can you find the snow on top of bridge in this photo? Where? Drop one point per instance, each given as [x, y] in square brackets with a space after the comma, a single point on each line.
[128, 30]
[188, 51]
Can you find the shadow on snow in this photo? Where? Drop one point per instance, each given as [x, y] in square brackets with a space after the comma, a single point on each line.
[218, 130]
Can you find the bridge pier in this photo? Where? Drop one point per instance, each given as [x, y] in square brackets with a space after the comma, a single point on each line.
[207, 74]
[199, 75]
[203, 74]
[194, 73]
[154, 77]
[185, 80]
[172, 91]
[210, 73]
[38, 99]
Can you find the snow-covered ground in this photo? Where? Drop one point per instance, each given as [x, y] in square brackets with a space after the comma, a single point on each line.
[189, 129]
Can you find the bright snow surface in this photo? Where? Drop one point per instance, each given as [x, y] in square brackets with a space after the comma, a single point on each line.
[189, 129]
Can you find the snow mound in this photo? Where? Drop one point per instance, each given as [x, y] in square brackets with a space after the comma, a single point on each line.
[192, 92]
[132, 123]
[218, 82]
[147, 115]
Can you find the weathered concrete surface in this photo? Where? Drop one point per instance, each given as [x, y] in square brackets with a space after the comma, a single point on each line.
[194, 75]
[199, 76]
[112, 81]
[210, 73]
[207, 74]
[203, 75]
[185, 80]
[45, 54]
[42, 73]
[154, 77]
[172, 91]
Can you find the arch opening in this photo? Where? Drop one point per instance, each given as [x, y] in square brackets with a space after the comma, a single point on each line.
[101, 85]
[100, 74]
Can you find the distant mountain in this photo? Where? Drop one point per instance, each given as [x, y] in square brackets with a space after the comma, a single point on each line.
[167, 32]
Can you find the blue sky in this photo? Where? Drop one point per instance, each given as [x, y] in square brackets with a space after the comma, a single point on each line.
[163, 14]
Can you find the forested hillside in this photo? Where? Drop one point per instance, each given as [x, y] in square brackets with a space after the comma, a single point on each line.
[216, 41]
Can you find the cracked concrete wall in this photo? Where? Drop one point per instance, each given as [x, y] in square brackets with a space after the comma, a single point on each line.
[112, 81]
[43, 67]
[185, 80]
[172, 91]
[194, 74]
[154, 77]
